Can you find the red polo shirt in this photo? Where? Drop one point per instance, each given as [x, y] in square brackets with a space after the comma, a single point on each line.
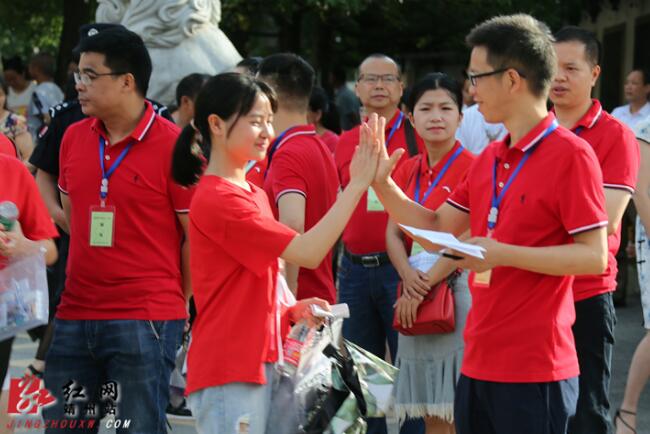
[235, 243]
[366, 231]
[17, 185]
[7, 147]
[406, 178]
[330, 139]
[302, 164]
[140, 276]
[519, 327]
[255, 173]
[618, 154]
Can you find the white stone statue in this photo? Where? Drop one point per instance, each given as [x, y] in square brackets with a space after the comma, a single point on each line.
[182, 36]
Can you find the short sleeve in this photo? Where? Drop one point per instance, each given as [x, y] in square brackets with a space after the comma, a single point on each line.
[620, 165]
[34, 218]
[288, 174]
[642, 130]
[180, 196]
[65, 144]
[46, 154]
[580, 194]
[459, 198]
[253, 238]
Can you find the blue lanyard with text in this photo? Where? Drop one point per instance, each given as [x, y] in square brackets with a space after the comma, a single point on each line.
[496, 199]
[103, 188]
[395, 127]
[274, 147]
[438, 178]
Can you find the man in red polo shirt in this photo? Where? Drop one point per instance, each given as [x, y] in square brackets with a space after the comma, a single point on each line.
[367, 281]
[535, 202]
[301, 179]
[578, 54]
[122, 312]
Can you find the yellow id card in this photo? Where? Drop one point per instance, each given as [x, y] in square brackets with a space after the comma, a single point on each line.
[374, 204]
[102, 225]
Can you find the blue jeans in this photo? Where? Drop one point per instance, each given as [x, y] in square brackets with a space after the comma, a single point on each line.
[370, 293]
[137, 356]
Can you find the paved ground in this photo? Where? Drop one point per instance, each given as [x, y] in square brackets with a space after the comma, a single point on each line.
[628, 334]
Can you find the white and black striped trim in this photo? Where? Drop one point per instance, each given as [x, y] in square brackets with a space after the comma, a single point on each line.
[457, 205]
[596, 118]
[182, 211]
[149, 123]
[534, 141]
[289, 190]
[620, 187]
[588, 227]
[61, 189]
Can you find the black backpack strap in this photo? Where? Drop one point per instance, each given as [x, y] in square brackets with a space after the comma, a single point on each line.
[411, 143]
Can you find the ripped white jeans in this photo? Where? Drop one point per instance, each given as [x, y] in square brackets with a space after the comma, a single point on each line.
[235, 408]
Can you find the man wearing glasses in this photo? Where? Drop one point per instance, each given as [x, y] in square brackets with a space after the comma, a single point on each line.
[535, 202]
[122, 312]
[367, 280]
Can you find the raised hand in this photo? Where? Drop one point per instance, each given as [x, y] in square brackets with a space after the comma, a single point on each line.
[386, 164]
[364, 162]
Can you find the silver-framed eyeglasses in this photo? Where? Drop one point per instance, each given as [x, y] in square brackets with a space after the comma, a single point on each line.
[86, 78]
[374, 78]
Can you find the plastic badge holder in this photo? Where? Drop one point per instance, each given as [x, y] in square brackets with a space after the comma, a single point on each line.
[23, 295]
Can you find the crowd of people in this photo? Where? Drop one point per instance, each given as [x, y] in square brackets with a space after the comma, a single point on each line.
[187, 221]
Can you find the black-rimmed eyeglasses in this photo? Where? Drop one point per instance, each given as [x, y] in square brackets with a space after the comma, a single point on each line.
[474, 77]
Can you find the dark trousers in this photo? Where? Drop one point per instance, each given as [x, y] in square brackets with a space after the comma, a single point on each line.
[486, 407]
[594, 336]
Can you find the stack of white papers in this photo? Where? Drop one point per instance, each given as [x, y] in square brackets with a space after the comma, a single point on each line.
[446, 240]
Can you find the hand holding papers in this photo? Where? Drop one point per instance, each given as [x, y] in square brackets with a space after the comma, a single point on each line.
[432, 241]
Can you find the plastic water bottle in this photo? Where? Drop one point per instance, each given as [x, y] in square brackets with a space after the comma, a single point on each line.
[8, 214]
[293, 348]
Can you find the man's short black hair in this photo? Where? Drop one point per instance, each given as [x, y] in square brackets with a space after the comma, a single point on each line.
[251, 64]
[586, 38]
[125, 52]
[45, 63]
[291, 77]
[189, 86]
[521, 42]
[13, 64]
[645, 73]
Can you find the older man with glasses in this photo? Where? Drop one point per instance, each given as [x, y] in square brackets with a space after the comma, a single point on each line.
[367, 281]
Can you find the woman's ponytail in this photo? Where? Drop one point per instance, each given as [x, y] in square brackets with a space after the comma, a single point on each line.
[188, 161]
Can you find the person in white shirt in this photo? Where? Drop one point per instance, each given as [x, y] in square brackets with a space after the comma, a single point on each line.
[637, 89]
[475, 133]
[20, 88]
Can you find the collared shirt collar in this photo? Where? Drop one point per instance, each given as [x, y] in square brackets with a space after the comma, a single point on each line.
[140, 131]
[533, 135]
[424, 161]
[591, 117]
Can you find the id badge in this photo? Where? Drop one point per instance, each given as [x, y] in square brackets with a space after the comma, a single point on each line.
[483, 279]
[102, 226]
[416, 248]
[373, 203]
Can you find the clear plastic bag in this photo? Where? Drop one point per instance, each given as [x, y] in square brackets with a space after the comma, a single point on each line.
[23, 295]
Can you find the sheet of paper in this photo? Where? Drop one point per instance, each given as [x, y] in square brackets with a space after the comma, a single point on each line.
[446, 240]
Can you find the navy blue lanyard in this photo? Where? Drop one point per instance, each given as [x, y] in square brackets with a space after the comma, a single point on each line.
[103, 188]
[438, 178]
[274, 147]
[395, 127]
[497, 199]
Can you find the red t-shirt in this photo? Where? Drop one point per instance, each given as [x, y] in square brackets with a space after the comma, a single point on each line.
[255, 172]
[7, 147]
[235, 243]
[302, 164]
[406, 178]
[330, 139]
[366, 231]
[519, 327]
[618, 154]
[140, 276]
[17, 185]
